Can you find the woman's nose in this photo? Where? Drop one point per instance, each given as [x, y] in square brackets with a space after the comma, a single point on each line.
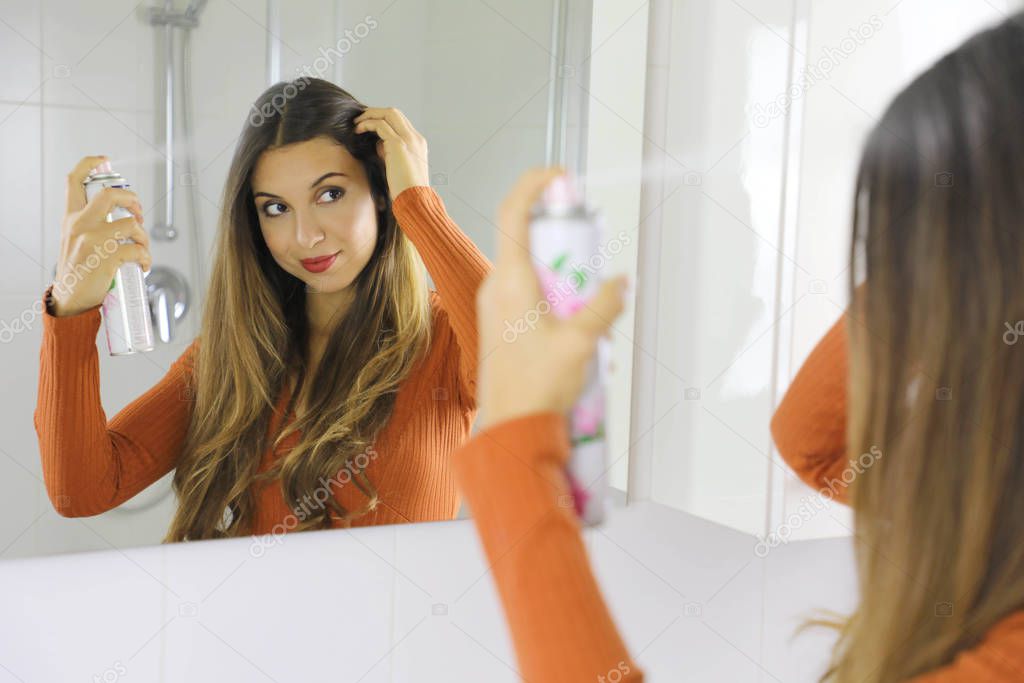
[307, 231]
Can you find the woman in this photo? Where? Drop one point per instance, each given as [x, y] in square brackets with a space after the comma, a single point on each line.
[939, 517]
[319, 393]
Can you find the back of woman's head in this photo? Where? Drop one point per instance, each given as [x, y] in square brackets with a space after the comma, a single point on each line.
[936, 381]
[255, 334]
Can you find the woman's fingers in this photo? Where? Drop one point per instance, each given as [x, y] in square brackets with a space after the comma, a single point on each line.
[398, 121]
[387, 134]
[597, 316]
[379, 126]
[106, 199]
[75, 197]
[130, 228]
[513, 236]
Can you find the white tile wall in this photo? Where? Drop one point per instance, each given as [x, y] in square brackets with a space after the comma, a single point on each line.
[97, 55]
[20, 237]
[20, 46]
[20, 335]
[228, 75]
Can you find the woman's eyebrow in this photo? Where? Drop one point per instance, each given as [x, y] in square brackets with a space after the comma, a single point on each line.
[314, 184]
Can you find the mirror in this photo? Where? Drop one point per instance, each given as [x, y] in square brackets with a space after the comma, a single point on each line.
[165, 91]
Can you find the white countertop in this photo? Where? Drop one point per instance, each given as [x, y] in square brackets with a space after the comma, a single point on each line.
[412, 602]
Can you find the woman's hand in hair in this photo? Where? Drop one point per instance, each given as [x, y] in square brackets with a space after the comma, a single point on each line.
[401, 146]
[541, 368]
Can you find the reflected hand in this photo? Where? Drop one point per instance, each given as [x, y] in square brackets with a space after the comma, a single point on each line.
[401, 146]
[90, 247]
[543, 368]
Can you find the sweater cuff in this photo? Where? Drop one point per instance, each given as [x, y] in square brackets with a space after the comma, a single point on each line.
[419, 211]
[73, 335]
[417, 199]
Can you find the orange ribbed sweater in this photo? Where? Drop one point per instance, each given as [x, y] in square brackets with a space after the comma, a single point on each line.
[91, 466]
[512, 475]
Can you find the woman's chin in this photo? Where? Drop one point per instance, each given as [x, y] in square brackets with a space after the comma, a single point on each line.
[328, 284]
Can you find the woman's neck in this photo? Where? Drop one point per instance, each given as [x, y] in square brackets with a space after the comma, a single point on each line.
[323, 311]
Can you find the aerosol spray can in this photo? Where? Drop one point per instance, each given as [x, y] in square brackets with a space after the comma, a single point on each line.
[564, 236]
[125, 307]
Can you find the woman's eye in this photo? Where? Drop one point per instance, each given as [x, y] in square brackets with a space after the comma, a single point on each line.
[332, 194]
[337, 190]
[267, 209]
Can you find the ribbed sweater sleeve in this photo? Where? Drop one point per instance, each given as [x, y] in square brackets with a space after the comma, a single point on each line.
[809, 426]
[512, 476]
[89, 465]
[456, 265]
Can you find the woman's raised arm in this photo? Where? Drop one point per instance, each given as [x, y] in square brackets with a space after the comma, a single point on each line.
[456, 265]
[91, 466]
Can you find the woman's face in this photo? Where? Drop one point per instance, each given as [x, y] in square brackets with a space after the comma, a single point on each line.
[313, 200]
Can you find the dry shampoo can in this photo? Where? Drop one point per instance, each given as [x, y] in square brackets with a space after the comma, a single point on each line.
[125, 307]
[564, 237]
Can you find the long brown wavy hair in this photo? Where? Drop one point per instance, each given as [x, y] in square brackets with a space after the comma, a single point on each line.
[254, 336]
[935, 382]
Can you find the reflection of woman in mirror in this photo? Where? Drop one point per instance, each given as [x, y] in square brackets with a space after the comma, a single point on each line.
[318, 394]
[931, 425]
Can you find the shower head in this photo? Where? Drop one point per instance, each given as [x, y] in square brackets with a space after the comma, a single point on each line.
[167, 15]
[194, 9]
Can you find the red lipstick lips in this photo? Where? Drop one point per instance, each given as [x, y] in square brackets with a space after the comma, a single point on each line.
[319, 264]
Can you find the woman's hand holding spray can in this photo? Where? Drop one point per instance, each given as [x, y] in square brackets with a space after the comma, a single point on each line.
[104, 249]
[564, 236]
